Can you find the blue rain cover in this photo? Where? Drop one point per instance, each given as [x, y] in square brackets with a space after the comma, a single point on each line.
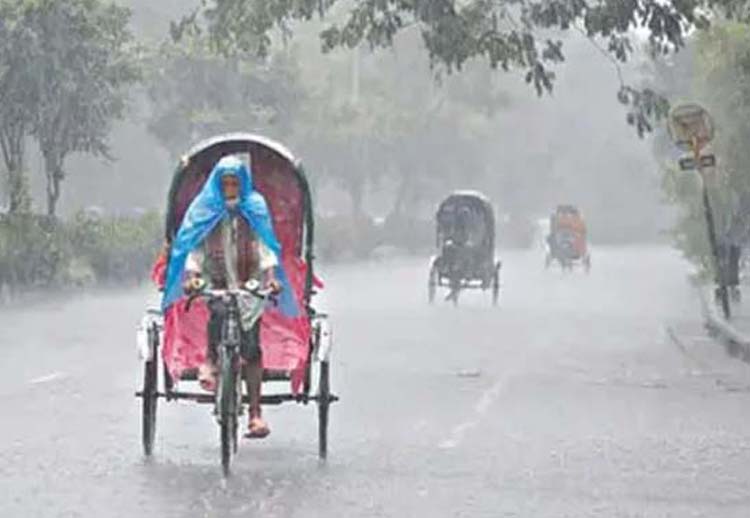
[206, 211]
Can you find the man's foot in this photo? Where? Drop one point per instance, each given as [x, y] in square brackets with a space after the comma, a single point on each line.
[207, 377]
[258, 429]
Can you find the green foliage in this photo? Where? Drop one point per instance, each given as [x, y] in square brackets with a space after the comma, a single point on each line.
[117, 249]
[31, 251]
[645, 107]
[196, 93]
[16, 42]
[714, 71]
[83, 62]
[723, 83]
[505, 32]
[689, 232]
[43, 252]
[380, 121]
[508, 34]
[342, 237]
[66, 66]
[359, 120]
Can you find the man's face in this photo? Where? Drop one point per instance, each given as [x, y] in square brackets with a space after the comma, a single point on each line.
[230, 187]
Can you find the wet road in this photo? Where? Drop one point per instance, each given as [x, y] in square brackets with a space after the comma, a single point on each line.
[579, 396]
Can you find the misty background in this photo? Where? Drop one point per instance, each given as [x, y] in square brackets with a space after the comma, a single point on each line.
[527, 153]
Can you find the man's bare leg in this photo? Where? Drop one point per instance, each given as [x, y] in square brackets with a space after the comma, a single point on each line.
[254, 381]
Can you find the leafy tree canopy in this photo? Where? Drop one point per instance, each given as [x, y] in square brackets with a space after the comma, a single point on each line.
[195, 93]
[715, 71]
[83, 64]
[65, 68]
[510, 34]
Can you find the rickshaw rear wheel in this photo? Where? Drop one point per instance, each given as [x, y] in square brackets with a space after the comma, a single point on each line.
[150, 393]
[324, 403]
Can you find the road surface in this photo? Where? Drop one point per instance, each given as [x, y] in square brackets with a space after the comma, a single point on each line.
[580, 396]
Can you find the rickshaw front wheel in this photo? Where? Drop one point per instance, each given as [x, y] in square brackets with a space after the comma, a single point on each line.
[228, 444]
[150, 393]
[227, 411]
[324, 402]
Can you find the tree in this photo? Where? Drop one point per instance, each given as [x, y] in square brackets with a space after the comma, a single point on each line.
[715, 71]
[378, 122]
[195, 93]
[82, 61]
[509, 34]
[15, 98]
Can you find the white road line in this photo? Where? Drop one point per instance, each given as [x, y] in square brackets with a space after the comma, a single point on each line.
[48, 377]
[481, 407]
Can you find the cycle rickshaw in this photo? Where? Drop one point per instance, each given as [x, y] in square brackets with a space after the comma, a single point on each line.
[567, 242]
[465, 240]
[295, 349]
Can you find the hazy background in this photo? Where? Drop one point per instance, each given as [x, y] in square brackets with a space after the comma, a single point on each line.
[572, 147]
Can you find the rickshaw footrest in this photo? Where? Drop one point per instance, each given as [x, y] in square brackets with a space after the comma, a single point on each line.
[269, 399]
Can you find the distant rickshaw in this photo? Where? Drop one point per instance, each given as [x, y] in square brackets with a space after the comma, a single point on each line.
[465, 241]
[567, 239]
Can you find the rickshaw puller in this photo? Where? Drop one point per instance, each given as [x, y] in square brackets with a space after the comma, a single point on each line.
[237, 245]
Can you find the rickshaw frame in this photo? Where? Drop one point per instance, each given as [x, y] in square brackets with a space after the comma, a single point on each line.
[490, 277]
[566, 263]
[319, 347]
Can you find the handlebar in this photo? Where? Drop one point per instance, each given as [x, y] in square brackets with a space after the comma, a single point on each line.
[249, 288]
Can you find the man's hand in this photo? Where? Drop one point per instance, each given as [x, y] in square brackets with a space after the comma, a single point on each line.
[271, 282]
[274, 286]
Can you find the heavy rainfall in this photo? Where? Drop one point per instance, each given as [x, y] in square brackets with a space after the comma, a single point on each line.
[374, 259]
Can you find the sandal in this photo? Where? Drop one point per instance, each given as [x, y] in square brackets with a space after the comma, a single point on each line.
[207, 377]
[257, 429]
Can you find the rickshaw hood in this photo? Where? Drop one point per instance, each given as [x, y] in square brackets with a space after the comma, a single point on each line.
[206, 211]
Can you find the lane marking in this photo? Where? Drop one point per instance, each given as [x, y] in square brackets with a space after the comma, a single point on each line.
[48, 377]
[456, 436]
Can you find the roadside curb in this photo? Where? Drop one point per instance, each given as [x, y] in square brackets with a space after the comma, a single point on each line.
[736, 343]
